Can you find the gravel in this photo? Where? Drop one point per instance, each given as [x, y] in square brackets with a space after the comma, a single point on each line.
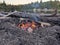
[10, 34]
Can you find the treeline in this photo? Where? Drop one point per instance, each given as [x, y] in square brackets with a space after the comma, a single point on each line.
[49, 4]
[4, 7]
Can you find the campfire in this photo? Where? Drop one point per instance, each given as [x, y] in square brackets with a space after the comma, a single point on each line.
[30, 26]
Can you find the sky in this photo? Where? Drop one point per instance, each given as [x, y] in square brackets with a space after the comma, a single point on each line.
[17, 2]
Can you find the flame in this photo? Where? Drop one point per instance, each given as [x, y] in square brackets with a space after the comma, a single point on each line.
[27, 25]
[33, 25]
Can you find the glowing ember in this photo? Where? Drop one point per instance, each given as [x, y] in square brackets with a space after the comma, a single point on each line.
[33, 25]
[27, 26]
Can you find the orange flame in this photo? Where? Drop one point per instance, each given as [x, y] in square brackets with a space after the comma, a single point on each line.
[33, 25]
[27, 25]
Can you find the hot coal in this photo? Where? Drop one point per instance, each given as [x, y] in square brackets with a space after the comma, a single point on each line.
[10, 34]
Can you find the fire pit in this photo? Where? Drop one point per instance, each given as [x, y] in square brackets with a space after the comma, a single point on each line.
[27, 25]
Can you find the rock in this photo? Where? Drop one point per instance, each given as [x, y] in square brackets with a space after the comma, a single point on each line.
[48, 40]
